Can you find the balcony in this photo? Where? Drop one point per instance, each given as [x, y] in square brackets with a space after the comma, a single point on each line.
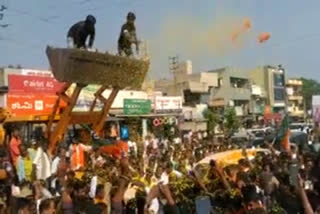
[295, 111]
[218, 102]
[294, 82]
[239, 93]
[295, 97]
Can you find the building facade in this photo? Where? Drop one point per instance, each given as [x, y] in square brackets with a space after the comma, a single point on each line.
[271, 82]
[295, 98]
[258, 92]
[193, 87]
[233, 90]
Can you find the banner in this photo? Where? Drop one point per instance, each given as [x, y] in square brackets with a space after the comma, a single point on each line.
[316, 113]
[33, 84]
[31, 104]
[168, 104]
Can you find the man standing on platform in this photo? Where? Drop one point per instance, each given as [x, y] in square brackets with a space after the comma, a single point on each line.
[79, 33]
[128, 37]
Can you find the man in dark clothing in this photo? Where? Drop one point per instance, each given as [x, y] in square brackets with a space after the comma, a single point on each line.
[128, 37]
[79, 32]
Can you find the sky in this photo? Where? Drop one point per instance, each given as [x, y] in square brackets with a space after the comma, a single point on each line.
[197, 30]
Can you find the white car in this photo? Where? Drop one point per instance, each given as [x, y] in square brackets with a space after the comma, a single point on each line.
[300, 127]
[260, 132]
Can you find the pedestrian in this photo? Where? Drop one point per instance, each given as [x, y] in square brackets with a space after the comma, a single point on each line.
[48, 206]
[77, 152]
[33, 149]
[100, 195]
[15, 142]
[60, 167]
[24, 165]
[42, 163]
[6, 177]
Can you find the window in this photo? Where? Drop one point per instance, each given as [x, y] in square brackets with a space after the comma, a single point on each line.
[278, 79]
[239, 82]
[279, 94]
[220, 82]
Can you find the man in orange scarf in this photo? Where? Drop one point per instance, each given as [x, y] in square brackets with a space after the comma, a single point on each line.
[77, 154]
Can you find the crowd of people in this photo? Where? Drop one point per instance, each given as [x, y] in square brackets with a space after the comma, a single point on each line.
[155, 176]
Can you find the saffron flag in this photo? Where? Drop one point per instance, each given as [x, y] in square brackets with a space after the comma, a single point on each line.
[285, 142]
[117, 149]
[284, 134]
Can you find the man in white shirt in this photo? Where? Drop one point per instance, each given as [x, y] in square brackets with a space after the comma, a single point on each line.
[155, 142]
[165, 175]
[42, 163]
[55, 165]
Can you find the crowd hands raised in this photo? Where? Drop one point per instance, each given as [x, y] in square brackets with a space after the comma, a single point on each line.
[160, 176]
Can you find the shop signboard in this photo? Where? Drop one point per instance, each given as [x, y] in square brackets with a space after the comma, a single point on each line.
[32, 72]
[31, 104]
[86, 98]
[136, 106]
[164, 104]
[33, 84]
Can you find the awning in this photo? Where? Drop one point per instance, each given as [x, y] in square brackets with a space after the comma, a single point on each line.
[150, 115]
[217, 102]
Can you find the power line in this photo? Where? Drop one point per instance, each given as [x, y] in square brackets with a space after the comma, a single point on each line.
[39, 18]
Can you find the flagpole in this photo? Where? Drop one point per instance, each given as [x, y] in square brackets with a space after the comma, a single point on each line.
[286, 101]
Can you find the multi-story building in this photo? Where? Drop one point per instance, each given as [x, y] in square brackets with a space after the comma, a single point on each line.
[255, 91]
[233, 90]
[271, 81]
[193, 87]
[295, 98]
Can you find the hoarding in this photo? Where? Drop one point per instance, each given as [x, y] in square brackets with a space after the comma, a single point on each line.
[316, 108]
[32, 92]
[31, 104]
[86, 98]
[136, 106]
[168, 104]
[33, 84]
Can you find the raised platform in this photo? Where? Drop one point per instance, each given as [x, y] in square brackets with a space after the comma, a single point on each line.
[84, 67]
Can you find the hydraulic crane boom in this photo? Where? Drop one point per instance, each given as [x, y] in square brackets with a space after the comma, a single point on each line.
[83, 68]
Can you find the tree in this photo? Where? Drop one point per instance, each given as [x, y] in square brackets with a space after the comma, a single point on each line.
[231, 121]
[310, 87]
[212, 120]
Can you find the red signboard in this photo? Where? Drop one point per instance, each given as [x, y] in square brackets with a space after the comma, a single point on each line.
[33, 84]
[31, 104]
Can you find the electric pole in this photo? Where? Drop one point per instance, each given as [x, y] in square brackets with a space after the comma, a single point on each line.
[173, 65]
